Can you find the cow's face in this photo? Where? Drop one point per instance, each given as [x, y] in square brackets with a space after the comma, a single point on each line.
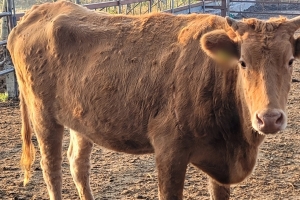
[264, 53]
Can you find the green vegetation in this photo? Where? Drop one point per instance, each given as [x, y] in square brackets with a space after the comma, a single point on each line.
[3, 97]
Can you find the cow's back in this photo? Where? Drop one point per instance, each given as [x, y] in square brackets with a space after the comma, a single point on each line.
[103, 74]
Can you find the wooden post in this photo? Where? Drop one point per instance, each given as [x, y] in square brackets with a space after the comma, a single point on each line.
[120, 6]
[150, 6]
[11, 83]
[4, 22]
[128, 8]
[224, 8]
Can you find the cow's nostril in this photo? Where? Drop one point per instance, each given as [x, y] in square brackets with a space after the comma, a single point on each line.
[280, 119]
[259, 120]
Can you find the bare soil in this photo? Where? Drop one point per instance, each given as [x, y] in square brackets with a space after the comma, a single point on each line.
[122, 176]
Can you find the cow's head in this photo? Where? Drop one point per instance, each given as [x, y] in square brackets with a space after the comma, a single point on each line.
[264, 52]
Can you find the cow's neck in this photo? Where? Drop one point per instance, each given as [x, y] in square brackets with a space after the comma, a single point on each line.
[230, 110]
[240, 142]
[242, 156]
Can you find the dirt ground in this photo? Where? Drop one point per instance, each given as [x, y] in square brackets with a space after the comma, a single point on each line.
[122, 176]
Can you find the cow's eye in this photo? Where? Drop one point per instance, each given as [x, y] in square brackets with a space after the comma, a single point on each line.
[291, 62]
[242, 63]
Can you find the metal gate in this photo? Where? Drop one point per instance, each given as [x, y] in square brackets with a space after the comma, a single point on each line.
[263, 9]
[8, 22]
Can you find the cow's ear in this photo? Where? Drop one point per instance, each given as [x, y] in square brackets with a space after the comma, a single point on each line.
[219, 46]
[297, 48]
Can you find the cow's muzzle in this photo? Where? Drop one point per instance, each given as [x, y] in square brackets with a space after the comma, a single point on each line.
[270, 121]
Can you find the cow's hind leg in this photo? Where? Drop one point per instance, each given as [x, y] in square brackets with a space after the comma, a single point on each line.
[79, 157]
[50, 136]
[217, 191]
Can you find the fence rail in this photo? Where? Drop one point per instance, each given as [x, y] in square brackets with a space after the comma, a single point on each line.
[265, 2]
[211, 4]
[266, 13]
[265, 8]
[6, 71]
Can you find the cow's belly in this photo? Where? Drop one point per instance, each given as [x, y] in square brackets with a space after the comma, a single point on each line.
[115, 136]
[107, 123]
[127, 143]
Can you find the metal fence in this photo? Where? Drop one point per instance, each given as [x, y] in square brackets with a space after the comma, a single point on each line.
[264, 9]
[8, 21]
[171, 6]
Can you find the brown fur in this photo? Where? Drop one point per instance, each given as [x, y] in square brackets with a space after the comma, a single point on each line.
[149, 84]
[263, 27]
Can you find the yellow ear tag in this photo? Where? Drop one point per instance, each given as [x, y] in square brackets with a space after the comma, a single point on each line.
[223, 56]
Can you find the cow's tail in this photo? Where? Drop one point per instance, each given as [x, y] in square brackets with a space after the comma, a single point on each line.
[28, 152]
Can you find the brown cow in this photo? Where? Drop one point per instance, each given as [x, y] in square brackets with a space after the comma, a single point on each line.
[197, 89]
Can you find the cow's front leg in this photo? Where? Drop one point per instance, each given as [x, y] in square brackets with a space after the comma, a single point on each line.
[171, 162]
[218, 191]
[79, 157]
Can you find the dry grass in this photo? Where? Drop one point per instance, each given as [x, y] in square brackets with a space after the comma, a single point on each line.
[3, 97]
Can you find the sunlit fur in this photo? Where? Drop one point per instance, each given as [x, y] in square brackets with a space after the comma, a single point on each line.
[266, 49]
[156, 83]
